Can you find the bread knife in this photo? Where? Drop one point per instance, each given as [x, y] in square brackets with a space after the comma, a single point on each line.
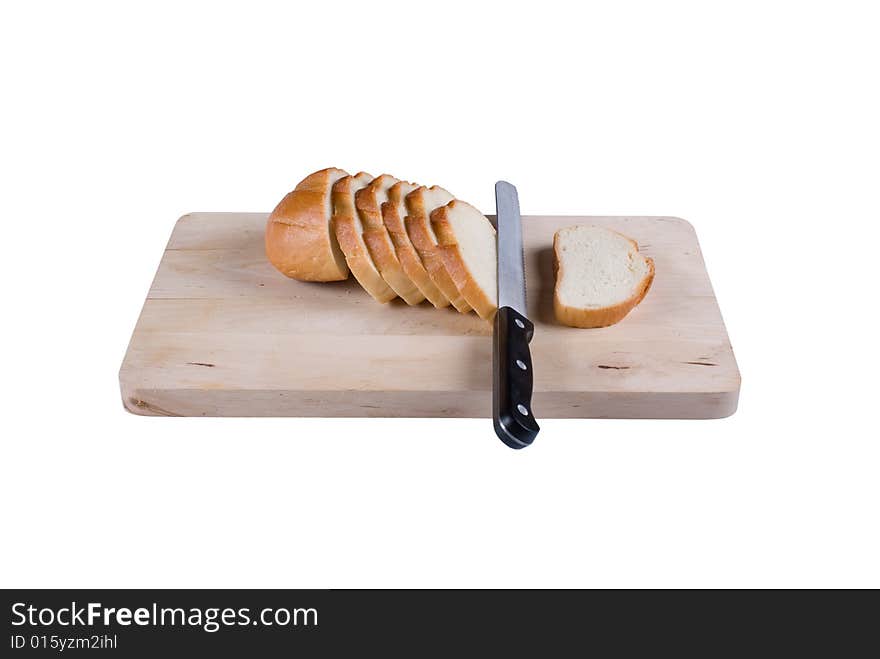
[512, 411]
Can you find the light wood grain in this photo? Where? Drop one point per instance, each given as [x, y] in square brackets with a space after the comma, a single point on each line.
[223, 334]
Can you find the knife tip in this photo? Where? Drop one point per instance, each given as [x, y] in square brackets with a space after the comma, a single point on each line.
[505, 188]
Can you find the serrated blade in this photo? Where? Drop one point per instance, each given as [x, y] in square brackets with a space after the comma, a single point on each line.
[511, 261]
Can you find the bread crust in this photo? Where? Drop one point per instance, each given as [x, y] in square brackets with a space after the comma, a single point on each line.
[602, 316]
[406, 252]
[347, 233]
[379, 244]
[417, 228]
[482, 301]
[299, 241]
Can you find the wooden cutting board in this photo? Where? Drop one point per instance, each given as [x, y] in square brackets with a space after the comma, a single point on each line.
[224, 334]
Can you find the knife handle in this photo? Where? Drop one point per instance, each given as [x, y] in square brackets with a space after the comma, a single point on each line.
[512, 413]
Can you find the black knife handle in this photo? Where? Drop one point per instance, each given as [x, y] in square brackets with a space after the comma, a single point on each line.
[512, 413]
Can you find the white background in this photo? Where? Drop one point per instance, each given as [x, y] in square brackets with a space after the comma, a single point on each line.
[757, 122]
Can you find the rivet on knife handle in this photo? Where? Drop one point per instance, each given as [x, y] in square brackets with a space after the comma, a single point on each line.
[512, 413]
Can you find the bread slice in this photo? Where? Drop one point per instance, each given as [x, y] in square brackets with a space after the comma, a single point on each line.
[369, 202]
[600, 276]
[299, 242]
[470, 254]
[393, 214]
[419, 205]
[348, 229]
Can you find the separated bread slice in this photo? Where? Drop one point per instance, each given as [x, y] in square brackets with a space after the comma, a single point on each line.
[348, 231]
[600, 276]
[299, 241]
[369, 202]
[419, 205]
[393, 214]
[469, 250]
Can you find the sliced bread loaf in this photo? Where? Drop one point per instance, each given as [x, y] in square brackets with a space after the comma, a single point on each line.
[393, 214]
[600, 276]
[348, 231]
[469, 252]
[419, 205]
[369, 202]
[299, 242]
